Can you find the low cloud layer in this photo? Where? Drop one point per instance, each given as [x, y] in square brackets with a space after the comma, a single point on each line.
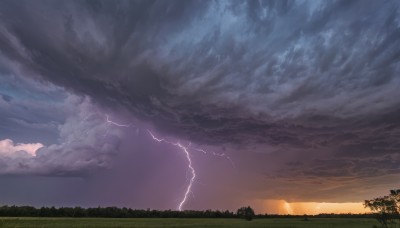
[300, 93]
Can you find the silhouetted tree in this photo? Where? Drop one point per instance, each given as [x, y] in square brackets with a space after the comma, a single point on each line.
[395, 194]
[246, 213]
[387, 207]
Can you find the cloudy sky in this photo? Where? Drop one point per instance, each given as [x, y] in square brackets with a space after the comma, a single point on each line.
[279, 104]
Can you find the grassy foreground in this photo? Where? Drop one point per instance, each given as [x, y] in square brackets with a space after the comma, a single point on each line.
[169, 222]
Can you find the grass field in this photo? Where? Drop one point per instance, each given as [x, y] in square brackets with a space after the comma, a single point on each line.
[156, 222]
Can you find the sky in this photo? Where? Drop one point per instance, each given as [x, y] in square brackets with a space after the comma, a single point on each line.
[287, 106]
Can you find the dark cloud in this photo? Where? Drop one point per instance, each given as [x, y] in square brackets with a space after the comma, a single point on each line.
[28, 110]
[310, 89]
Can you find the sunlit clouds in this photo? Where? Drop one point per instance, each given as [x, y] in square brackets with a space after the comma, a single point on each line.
[9, 148]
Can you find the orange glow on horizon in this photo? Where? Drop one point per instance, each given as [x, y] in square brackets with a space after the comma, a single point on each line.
[310, 208]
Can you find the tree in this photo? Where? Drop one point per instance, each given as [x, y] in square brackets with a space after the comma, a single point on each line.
[246, 213]
[387, 207]
[395, 194]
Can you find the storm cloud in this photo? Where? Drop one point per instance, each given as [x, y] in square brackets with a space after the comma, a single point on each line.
[298, 93]
[85, 143]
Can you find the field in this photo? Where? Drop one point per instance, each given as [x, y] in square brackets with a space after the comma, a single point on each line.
[159, 222]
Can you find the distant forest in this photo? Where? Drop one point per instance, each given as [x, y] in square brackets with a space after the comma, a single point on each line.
[115, 212]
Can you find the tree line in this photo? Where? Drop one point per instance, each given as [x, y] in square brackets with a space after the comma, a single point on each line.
[115, 212]
[109, 212]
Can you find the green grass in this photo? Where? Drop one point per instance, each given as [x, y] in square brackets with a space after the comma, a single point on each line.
[169, 222]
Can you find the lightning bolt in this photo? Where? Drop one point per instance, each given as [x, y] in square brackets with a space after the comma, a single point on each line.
[116, 124]
[192, 178]
[216, 154]
[185, 150]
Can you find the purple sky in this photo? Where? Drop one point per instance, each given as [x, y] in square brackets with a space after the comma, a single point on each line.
[302, 96]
